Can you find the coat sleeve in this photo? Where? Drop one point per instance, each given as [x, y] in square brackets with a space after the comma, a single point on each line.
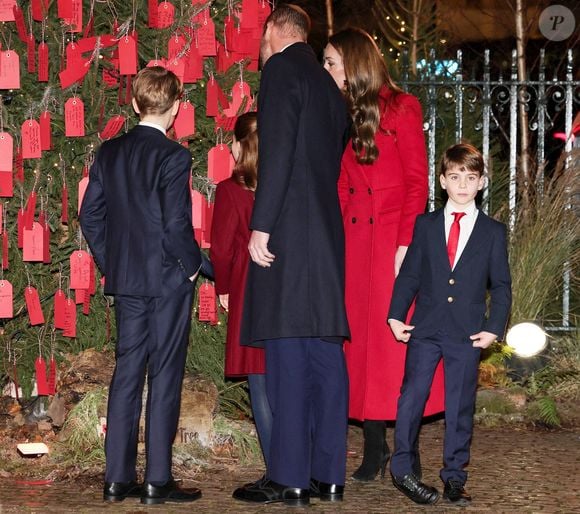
[343, 188]
[93, 216]
[279, 108]
[178, 241]
[223, 233]
[408, 280]
[500, 291]
[412, 152]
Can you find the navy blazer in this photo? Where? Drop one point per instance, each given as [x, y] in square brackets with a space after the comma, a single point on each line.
[454, 300]
[136, 214]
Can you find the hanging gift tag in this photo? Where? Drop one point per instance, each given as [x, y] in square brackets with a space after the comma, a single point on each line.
[45, 133]
[6, 184]
[111, 74]
[64, 205]
[207, 309]
[153, 14]
[86, 303]
[72, 74]
[64, 8]
[250, 13]
[206, 35]
[74, 117]
[20, 24]
[165, 15]
[196, 208]
[31, 140]
[207, 217]
[193, 66]
[43, 62]
[30, 210]
[219, 163]
[241, 99]
[6, 300]
[264, 11]
[52, 376]
[6, 151]
[33, 243]
[7, 10]
[46, 258]
[70, 328]
[177, 66]
[175, 46]
[80, 296]
[83, 184]
[112, 128]
[80, 270]
[229, 32]
[41, 380]
[225, 58]
[127, 56]
[75, 22]
[184, 124]
[20, 222]
[39, 9]
[211, 98]
[5, 247]
[59, 304]
[30, 53]
[35, 314]
[18, 165]
[9, 70]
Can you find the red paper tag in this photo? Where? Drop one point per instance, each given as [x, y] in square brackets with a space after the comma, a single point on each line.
[35, 313]
[111, 74]
[127, 56]
[207, 310]
[250, 13]
[206, 43]
[74, 117]
[74, 55]
[64, 8]
[52, 377]
[207, 217]
[87, 303]
[31, 140]
[31, 53]
[184, 124]
[92, 275]
[175, 46]
[9, 70]
[76, 20]
[229, 32]
[241, 99]
[59, 309]
[177, 66]
[41, 380]
[43, 62]
[6, 184]
[18, 165]
[7, 10]
[219, 163]
[33, 244]
[20, 222]
[153, 14]
[80, 296]
[196, 208]
[80, 270]
[70, 322]
[64, 205]
[6, 151]
[112, 127]
[165, 15]
[39, 9]
[73, 74]
[46, 258]
[45, 134]
[83, 184]
[6, 303]
[20, 25]
[30, 210]
[5, 247]
[225, 58]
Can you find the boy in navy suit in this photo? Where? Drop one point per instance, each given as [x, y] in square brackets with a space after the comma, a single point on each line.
[457, 256]
[136, 218]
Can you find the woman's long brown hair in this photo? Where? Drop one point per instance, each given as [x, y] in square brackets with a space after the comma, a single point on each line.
[246, 132]
[366, 74]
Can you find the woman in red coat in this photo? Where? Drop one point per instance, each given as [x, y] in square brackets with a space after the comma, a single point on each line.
[382, 188]
[230, 234]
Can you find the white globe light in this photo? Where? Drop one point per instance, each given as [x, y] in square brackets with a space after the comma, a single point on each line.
[526, 339]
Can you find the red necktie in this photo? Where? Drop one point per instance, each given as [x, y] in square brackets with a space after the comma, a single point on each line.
[453, 237]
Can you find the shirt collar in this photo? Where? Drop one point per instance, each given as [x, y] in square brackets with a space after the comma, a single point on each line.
[153, 125]
[468, 209]
[287, 47]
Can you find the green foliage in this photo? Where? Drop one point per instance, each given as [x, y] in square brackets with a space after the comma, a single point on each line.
[544, 411]
[243, 443]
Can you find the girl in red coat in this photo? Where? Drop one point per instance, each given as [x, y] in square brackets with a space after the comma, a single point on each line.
[382, 188]
[230, 234]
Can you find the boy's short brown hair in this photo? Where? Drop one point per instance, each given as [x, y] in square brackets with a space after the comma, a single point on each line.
[155, 90]
[464, 156]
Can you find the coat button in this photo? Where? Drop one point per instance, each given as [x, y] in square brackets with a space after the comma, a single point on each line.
[451, 281]
[370, 191]
[351, 190]
[371, 221]
[450, 299]
[354, 220]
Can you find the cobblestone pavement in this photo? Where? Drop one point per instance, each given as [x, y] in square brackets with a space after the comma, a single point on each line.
[512, 471]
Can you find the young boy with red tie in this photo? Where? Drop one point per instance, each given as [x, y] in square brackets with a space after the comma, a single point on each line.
[457, 256]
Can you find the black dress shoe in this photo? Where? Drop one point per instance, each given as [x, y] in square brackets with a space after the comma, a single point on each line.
[157, 494]
[416, 490]
[326, 492]
[268, 491]
[455, 493]
[118, 491]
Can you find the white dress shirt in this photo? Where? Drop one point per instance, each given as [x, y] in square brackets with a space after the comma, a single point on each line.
[153, 125]
[466, 224]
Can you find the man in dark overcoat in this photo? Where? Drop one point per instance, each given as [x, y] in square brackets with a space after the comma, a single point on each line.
[294, 305]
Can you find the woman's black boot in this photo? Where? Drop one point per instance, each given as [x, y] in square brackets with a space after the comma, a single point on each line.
[376, 451]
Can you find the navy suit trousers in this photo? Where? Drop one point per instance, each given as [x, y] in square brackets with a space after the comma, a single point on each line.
[460, 364]
[152, 339]
[307, 387]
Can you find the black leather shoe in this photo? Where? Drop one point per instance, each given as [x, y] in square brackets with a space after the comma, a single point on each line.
[326, 492]
[157, 494]
[268, 491]
[416, 490]
[118, 491]
[455, 493]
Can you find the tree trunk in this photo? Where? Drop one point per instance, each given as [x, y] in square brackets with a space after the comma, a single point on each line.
[329, 17]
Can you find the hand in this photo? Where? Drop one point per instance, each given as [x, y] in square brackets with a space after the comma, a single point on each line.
[399, 257]
[258, 247]
[483, 339]
[224, 299]
[401, 331]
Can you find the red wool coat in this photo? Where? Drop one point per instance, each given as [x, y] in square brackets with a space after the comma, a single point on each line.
[229, 255]
[379, 205]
